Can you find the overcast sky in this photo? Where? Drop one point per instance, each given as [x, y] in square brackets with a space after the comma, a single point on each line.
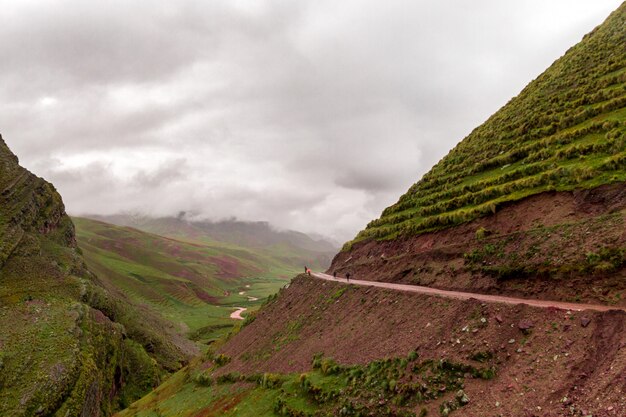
[313, 115]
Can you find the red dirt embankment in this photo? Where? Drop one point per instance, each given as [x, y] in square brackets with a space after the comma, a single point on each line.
[567, 246]
[549, 362]
[458, 295]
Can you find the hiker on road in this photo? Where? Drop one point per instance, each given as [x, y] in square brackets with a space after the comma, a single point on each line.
[348, 276]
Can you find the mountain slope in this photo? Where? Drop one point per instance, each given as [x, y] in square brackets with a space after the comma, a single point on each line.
[63, 348]
[326, 349]
[293, 247]
[565, 130]
[532, 202]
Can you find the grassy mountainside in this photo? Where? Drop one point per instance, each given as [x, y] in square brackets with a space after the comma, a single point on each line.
[565, 130]
[532, 202]
[293, 248]
[194, 285]
[66, 347]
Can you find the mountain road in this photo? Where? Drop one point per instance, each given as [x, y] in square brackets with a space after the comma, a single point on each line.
[468, 295]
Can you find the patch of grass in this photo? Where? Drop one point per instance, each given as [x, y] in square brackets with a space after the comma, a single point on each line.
[389, 387]
[337, 294]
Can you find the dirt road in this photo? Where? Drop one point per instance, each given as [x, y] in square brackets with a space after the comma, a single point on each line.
[468, 295]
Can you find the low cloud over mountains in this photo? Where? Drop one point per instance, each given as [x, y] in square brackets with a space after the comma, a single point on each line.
[311, 115]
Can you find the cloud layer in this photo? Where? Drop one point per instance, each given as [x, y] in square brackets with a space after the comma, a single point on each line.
[313, 115]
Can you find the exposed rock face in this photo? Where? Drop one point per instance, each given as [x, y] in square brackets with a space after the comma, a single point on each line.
[61, 351]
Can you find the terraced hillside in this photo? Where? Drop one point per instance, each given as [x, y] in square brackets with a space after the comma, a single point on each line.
[194, 284]
[66, 347]
[532, 202]
[565, 130]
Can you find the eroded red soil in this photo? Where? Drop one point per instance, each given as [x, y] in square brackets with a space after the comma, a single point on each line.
[547, 246]
[549, 362]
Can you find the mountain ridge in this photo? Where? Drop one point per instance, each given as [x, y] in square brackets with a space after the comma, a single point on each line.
[244, 233]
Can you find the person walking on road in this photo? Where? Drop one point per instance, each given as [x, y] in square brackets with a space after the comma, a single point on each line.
[348, 276]
[335, 274]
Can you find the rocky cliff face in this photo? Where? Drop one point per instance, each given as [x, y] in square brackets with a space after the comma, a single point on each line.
[61, 350]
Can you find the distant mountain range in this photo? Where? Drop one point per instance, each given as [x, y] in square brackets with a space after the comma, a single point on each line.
[189, 278]
[247, 234]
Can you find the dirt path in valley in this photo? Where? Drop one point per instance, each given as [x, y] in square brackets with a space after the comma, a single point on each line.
[237, 313]
[467, 295]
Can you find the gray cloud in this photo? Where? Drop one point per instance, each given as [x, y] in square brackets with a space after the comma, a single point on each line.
[313, 115]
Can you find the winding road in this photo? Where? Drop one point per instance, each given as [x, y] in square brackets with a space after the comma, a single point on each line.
[467, 295]
[237, 313]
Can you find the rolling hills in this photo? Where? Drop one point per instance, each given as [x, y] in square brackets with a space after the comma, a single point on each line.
[189, 279]
[532, 204]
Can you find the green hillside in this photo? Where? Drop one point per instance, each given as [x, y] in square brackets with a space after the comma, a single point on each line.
[293, 248]
[67, 347]
[565, 130]
[194, 284]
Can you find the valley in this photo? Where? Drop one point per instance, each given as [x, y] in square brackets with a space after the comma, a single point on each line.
[495, 286]
[193, 283]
